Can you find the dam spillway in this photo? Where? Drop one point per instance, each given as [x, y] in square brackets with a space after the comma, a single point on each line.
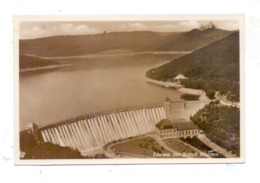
[90, 133]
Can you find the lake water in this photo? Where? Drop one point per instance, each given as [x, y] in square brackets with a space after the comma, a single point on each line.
[90, 85]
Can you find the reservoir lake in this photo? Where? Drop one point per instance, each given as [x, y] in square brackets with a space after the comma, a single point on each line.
[90, 85]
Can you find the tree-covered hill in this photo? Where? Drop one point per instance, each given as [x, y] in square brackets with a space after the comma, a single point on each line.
[194, 39]
[221, 125]
[211, 68]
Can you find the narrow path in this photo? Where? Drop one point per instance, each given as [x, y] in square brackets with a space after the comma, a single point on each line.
[215, 147]
[112, 154]
[194, 148]
[224, 101]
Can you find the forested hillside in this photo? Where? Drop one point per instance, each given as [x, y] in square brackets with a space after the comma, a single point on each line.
[221, 125]
[211, 68]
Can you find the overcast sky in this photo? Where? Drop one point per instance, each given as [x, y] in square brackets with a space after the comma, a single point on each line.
[30, 30]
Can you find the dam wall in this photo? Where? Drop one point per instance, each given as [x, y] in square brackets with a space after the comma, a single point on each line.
[89, 133]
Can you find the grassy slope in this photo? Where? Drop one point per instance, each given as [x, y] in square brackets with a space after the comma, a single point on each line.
[26, 62]
[133, 41]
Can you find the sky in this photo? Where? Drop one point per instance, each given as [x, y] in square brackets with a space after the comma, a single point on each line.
[31, 30]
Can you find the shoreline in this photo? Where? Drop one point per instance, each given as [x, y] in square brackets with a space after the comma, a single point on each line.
[94, 55]
[190, 91]
[179, 88]
[43, 68]
[163, 83]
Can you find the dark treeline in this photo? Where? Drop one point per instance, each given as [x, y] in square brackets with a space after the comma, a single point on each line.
[189, 97]
[221, 125]
[225, 87]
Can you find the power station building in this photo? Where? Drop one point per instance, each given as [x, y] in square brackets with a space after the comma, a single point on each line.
[175, 129]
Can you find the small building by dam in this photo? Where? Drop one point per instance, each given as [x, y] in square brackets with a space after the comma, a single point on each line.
[176, 128]
[88, 134]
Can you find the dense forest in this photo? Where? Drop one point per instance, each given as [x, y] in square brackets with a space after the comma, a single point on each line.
[212, 68]
[221, 125]
[189, 97]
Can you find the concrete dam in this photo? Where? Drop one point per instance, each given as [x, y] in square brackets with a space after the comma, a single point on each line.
[88, 134]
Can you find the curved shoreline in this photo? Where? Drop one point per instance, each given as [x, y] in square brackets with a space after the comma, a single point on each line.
[44, 67]
[163, 83]
[93, 55]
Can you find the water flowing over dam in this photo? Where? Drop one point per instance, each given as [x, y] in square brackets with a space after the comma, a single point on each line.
[90, 134]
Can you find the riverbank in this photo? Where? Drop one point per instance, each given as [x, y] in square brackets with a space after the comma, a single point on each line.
[44, 68]
[163, 83]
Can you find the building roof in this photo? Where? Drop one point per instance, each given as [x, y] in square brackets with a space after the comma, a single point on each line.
[180, 124]
[165, 124]
[180, 76]
[179, 120]
[185, 126]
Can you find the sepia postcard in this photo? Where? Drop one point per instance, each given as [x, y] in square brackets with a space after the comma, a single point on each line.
[129, 89]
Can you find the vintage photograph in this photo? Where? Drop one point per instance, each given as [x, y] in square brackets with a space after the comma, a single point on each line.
[129, 89]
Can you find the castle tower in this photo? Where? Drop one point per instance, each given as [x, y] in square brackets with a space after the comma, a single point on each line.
[34, 131]
[174, 110]
[167, 106]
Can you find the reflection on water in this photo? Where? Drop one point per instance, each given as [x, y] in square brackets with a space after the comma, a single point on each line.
[88, 86]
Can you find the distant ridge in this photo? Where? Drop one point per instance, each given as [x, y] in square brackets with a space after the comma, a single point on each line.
[195, 39]
[133, 41]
